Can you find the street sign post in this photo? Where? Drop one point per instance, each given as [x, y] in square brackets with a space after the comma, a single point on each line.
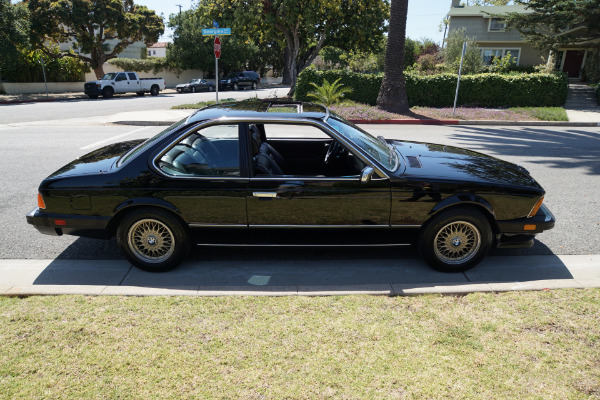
[217, 49]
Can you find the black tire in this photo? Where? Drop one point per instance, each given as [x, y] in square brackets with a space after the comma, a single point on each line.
[153, 240]
[154, 90]
[236, 87]
[455, 240]
[254, 85]
[211, 88]
[193, 89]
[140, 93]
[108, 92]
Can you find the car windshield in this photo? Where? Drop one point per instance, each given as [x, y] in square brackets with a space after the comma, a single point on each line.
[144, 145]
[233, 75]
[109, 77]
[378, 149]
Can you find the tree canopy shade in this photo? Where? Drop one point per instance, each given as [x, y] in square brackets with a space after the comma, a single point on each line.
[304, 26]
[392, 94]
[89, 24]
[554, 23]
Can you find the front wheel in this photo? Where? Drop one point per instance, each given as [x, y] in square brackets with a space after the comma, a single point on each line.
[254, 86]
[455, 240]
[108, 92]
[211, 88]
[193, 89]
[153, 240]
[236, 87]
[154, 90]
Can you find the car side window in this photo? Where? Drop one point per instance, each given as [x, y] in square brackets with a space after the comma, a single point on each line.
[212, 151]
[121, 77]
[132, 76]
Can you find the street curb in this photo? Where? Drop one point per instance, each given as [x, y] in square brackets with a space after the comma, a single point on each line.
[144, 123]
[472, 122]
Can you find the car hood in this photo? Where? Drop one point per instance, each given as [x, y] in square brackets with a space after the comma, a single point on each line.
[182, 85]
[98, 161]
[454, 163]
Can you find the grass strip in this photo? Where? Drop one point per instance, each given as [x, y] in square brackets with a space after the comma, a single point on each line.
[525, 345]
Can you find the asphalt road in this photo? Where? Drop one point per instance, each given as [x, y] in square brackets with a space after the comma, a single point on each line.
[59, 110]
[566, 161]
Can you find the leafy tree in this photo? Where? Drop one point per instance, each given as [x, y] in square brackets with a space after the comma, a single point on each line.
[392, 94]
[305, 26]
[14, 32]
[558, 22]
[89, 24]
[192, 50]
[472, 63]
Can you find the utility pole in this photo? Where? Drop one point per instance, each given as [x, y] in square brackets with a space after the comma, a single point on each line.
[179, 5]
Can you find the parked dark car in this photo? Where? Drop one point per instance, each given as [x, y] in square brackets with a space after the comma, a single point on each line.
[195, 85]
[239, 174]
[240, 80]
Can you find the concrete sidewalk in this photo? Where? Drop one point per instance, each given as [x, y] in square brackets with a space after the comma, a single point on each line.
[391, 277]
[580, 115]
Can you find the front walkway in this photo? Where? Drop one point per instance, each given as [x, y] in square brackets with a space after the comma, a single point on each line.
[582, 103]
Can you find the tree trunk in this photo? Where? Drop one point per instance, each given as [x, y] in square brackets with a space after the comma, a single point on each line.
[99, 71]
[392, 94]
[287, 76]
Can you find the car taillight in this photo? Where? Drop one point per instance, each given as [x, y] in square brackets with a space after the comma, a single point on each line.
[41, 203]
[535, 208]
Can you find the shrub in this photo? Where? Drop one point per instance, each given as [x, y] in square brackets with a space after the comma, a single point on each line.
[154, 64]
[329, 93]
[483, 90]
[27, 67]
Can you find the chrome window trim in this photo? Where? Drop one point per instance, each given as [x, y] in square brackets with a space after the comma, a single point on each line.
[267, 119]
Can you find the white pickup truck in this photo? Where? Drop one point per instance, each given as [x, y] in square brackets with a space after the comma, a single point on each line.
[123, 82]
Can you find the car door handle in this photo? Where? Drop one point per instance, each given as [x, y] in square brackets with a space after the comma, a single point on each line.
[269, 195]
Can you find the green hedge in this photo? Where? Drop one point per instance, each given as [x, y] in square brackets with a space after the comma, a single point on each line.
[482, 90]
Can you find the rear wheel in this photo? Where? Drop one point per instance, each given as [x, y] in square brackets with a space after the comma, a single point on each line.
[153, 239]
[108, 92]
[236, 87]
[154, 90]
[455, 240]
[193, 89]
[254, 86]
[211, 88]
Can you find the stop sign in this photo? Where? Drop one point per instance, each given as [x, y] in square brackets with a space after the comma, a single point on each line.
[217, 47]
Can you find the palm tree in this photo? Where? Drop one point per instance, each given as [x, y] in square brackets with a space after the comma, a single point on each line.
[392, 94]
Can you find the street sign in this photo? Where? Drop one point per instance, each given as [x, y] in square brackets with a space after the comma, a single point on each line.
[217, 47]
[215, 24]
[218, 31]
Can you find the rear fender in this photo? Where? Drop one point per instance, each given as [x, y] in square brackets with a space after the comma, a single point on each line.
[141, 202]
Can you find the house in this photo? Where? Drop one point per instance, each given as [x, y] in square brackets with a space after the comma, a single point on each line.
[157, 50]
[495, 40]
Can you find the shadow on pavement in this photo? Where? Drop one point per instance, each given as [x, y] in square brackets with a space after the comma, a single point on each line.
[229, 269]
[565, 148]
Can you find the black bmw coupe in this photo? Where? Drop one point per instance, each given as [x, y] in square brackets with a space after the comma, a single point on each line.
[293, 174]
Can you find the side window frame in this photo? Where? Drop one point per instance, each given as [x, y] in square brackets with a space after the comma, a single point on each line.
[242, 154]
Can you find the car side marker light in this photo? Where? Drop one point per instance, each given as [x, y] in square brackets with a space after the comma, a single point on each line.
[60, 222]
[530, 227]
[41, 203]
[535, 208]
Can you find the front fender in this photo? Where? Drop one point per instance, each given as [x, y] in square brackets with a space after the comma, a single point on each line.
[463, 199]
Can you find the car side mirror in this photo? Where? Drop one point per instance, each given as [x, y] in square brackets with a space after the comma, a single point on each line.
[366, 175]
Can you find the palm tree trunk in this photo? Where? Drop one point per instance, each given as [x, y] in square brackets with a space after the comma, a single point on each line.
[392, 94]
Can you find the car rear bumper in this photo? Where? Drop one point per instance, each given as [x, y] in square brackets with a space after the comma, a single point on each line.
[59, 224]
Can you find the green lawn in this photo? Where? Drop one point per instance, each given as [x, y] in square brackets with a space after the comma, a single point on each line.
[518, 345]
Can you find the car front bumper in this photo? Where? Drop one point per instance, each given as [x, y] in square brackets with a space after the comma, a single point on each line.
[59, 224]
[519, 232]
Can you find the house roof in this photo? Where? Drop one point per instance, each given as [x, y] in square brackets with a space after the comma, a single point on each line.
[481, 11]
[158, 45]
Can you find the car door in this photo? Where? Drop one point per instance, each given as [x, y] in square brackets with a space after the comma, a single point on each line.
[311, 199]
[121, 83]
[204, 178]
[134, 82]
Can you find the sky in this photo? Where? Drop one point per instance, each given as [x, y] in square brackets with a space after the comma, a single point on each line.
[424, 16]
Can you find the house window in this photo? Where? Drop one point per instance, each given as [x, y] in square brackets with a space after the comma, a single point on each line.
[489, 55]
[496, 25]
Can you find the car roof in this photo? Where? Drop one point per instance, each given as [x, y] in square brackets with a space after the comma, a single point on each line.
[260, 110]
